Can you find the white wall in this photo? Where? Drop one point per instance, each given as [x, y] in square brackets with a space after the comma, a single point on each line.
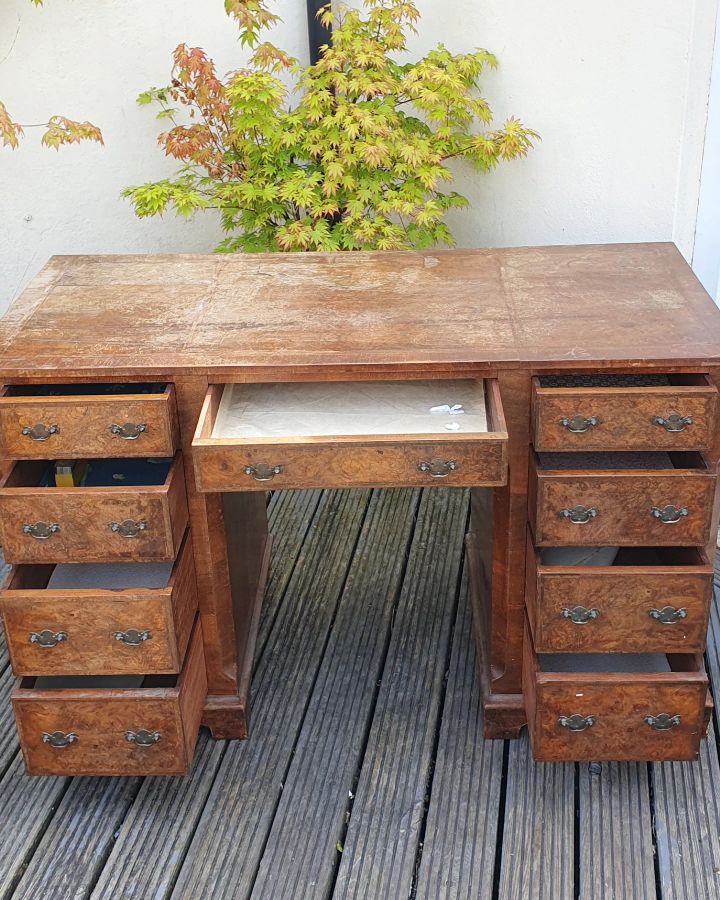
[617, 89]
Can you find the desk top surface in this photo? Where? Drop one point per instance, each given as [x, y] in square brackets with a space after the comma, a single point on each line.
[279, 315]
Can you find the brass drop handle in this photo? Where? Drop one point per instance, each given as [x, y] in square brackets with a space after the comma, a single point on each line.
[47, 638]
[142, 738]
[673, 423]
[59, 739]
[662, 721]
[132, 637]
[580, 615]
[262, 472]
[40, 432]
[41, 531]
[576, 722]
[579, 424]
[670, 515]
[438, 468]
[580, 515]
[668, 615]
[129, 431]
[128, 528]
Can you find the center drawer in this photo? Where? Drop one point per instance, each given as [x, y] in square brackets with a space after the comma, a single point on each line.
[351, 434]
[117, 521]
[121, 619]
[643, 499]
[67, 728]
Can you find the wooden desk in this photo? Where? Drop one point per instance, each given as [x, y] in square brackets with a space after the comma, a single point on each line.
[509, 318]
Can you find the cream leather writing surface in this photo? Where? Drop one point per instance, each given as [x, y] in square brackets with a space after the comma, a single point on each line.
[350, 408]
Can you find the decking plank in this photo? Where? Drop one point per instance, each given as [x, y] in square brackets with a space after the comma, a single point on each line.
[538, 839]
[380, 850]
[225, 853]
[458, 855]
[616, 842]
[300, 856]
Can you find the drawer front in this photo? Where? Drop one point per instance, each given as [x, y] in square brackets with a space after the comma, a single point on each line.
[88, 426]
[618, 609]
[659, 418]
[121, 731]
[99, 632]
[622, 508]
[57, 525]
[617, 717]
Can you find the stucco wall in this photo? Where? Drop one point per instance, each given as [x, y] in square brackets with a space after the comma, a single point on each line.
[618, 91]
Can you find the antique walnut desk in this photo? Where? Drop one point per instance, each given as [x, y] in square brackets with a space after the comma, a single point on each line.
[588, 378]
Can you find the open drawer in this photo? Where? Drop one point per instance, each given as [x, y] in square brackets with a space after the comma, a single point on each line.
[148, 728]
[351, 434]
[45, 421]
[106, 619]
[614, 706]
[134, 512]
[623, 412]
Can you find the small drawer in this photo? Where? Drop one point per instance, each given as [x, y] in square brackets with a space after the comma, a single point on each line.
[650, 600]
[72, 727]
[121, 619]
[613, 706]
[623, 412]
[625, 499]
[350, 434]
[87, 420]
[118, 521]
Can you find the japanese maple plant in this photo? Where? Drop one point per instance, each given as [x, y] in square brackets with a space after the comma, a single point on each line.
[355, 157]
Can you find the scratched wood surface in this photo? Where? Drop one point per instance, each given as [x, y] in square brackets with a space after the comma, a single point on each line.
[240, 313]
[366, 773]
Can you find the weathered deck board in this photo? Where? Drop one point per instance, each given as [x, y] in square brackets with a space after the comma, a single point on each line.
[228, 846]
[300, 856]
[458, 854]
[380, 849]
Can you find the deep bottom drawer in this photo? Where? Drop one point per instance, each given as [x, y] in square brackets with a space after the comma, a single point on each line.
[150, 729]
[616, 715]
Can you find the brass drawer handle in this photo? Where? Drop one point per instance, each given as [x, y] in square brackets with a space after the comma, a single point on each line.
[580, 615]
[128, 528]
[579, 515]
[668, 615]
[669, 514]
[132, 637]
[47, 638]
[662, 722]
[128, 431]
[576, 722]
[579, 424]
[40, 432]
[142, 738]
[59, 739]
[673, 423]
[438, 468]
[41, 531]
[262, 472]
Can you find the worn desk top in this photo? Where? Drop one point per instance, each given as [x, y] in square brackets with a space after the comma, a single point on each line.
[287, 314]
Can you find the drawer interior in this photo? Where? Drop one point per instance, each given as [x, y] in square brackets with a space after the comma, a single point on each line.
[82, 390]
[615, 461]
[589, 664]
[352, 409]
[89, 576]
[103, 473]
[602, 380]
[98, 682]
[647, 557]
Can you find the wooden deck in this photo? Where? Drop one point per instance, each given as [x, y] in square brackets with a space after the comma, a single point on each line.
[366, 774]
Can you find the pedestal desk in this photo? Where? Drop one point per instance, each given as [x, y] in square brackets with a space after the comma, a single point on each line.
[588, 381]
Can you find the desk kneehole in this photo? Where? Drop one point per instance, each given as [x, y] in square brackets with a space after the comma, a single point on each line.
[351, 434]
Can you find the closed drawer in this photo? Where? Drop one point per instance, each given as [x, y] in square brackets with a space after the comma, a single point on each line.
[350, 434]
[58, 421]
[110, 523]
[655, 500]
[122, 619]
[650, 600]
[114, 729]
[608, 712]
[623, 412]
